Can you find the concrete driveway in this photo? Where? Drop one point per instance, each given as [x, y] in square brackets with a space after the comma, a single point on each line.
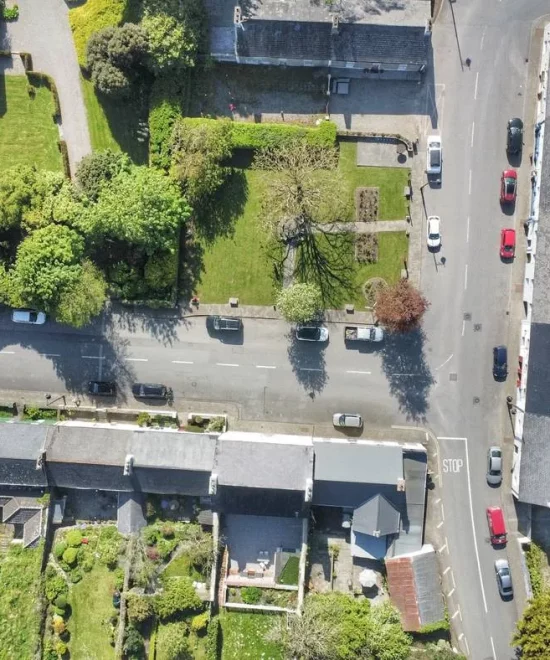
[43, 30]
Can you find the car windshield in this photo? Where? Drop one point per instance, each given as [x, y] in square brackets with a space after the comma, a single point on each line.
[494, 472]
[510, 185]
[33, 316]
[435, 156]
[434, 235]
[309, 333]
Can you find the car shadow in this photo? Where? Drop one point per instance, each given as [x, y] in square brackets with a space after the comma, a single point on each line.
[434, 180]
[307, 360]
[508, 208]
[407, 372]
[515, 159]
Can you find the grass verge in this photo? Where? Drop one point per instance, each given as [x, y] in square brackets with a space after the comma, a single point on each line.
[243, 636]
[28, 134]
[92, 606]
[114, 124]
[19, 603]
[389, 180]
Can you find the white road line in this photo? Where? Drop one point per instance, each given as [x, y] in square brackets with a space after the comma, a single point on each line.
[182, 362]
[265, 366]
[482, 38]
[438, 500]
[446, 570]
[7, 352]
[226, 364]
[451, 592]
[442, 512]
[493, 647]
[92, 357]
[455, 614]
[443, 547]
[465, 640]
[309, 369]
[453, 579]
[473, 132]
[440, 524]
[468, 230]
[470, 183]
[100, 370]
[463, 327]
[137, 360]
[50, 354]
[461, 636]
[465, 277]
[445, 437]
[444, 363]
[475, 91]
[367, 373]
[473, 525]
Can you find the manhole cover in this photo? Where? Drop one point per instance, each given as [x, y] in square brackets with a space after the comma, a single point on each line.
[453, 376]
[477, 327]
[467, 316]
[476, 399]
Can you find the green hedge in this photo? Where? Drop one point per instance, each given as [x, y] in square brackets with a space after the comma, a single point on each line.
[62, 146]
[213, 639]
[90, 17]
[165, 106]
[246, 135]
[26, 58]
[37, 79]
[534, 557]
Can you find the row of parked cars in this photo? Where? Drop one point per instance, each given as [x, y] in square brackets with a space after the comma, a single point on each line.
[139, 390]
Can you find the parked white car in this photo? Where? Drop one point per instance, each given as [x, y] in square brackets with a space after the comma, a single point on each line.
[347, 420]
[434, 157]
[434, 232]
[28, 316]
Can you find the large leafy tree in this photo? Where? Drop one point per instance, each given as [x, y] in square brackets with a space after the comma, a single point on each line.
[533, 629]
[48, 263]
[172, 642]
[99, 168]
[299, 303]
[197, 154]
[142, 207]
[179, 596]
[400, 307]
[338, 627]
[79, 303]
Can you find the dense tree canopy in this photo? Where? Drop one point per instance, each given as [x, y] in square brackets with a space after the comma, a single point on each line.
[48, 263]
[84, 299]
[400, 307]
[151, 214]
[533, 630]
[299, 303]
[97, 169]
[338, 627]
[179, 595]
[172, 643]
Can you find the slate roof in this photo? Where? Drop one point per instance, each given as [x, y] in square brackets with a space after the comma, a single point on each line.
[361, 43]
[260, 501]
[22, 441]
[376, 517]
[261, 461]
[361, 462]
[415, 589]
[130, 513]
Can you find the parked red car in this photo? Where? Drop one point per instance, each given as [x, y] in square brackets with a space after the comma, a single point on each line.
[508, 186]
[507, 243]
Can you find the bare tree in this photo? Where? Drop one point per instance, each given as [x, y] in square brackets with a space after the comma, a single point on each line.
[305, 195]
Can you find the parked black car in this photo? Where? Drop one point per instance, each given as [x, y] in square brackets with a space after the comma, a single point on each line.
[500, 362]
[151, 391]
[101, 388]
[514, 141]
[227, 323]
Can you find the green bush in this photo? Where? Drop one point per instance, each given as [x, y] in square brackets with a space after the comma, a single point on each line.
[60, 611]
[251, 595]
[133, 643]
[11, 13]
[213, 639]
[70, 556]
[143, 419]
[63, 150]
[199, 622]
[30, 412]
[534, 556]
[179, 595]
[76, 575]
[55, 586]
[247, 135]
[151, 535]
[109, 556]
[140, 608]
[437, 626]
[167, 531]
[119, 578]
[61, 648]
[166, 104]
[59, 549]
[61, 601]
[216, 424]
[91, 17]
[87, 563]
[74, 538]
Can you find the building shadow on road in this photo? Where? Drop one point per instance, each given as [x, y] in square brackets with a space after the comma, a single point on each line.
[307, 360]
[408, 374]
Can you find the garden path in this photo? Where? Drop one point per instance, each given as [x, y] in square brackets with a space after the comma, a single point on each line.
[43, 30]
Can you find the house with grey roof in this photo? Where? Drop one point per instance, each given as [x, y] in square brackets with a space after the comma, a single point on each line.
[21, 446]
[396, 47]
[379, 488]
[21, 516]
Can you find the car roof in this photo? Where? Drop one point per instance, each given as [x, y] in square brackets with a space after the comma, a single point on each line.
[510, 174]
[509, 233]
[493, 450]
[516, 122]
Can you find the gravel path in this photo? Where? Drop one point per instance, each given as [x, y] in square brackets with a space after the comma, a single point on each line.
[43, 30]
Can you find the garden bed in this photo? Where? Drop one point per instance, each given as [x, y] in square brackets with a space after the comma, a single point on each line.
[31, 413]
[260, 596]
[366, 204]
[205, 423]
[244, 636]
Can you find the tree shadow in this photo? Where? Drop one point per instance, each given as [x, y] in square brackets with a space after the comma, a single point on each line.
[190, 267]
[308, 364]
[408, 373]
[162, 324]
[217, 216]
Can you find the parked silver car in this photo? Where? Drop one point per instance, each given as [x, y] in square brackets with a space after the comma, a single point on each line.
[504, 578]
[494, 466]
[347, 420]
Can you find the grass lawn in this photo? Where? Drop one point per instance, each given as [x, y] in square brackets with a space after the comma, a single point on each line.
[28, 135]
[290, 572]
[390, 181]
[113, 125]
[243, 636]
[92, 605]
[19, 614]
[181, 567]
[237, 264]
[392, 247]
